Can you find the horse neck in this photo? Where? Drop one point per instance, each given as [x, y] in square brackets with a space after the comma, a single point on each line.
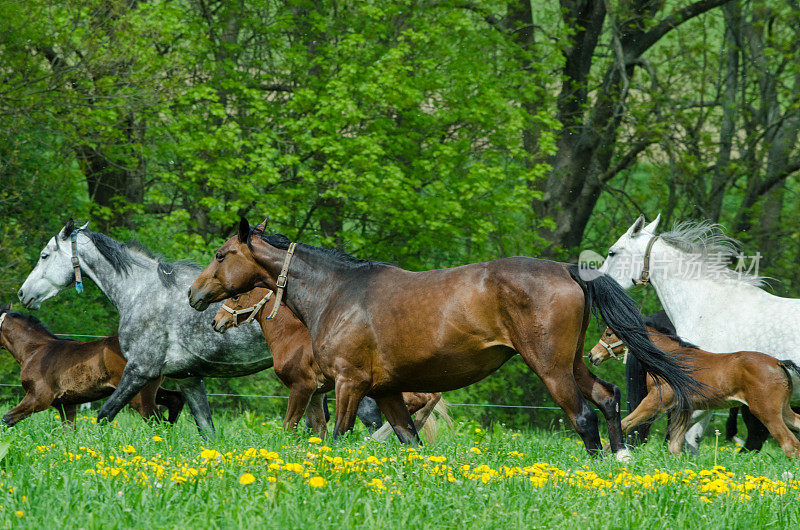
[312, 280]
[283, 331]
[120, 288]
[685, 296]
[21, 339]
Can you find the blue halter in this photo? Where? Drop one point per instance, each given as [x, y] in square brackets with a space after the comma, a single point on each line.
[75, 263]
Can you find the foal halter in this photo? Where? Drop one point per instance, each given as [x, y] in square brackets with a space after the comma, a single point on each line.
[645, 277]
[610, 349]
[281, 282]
[253, 310]
[75, 263]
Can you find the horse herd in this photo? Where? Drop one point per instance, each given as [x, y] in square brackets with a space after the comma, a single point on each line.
[390, 340]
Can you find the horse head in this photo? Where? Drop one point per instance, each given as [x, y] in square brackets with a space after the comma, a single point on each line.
[625, 261]
[232, 271]
[608, 346]
[53, 271]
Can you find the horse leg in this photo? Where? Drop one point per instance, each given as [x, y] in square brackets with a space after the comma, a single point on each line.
[607, 398]
[30, 403]
[731, 425]
[396, 412]
[131, 383]
[173, 400]
[315, 415]
[677, 436]
[757, 432]
[370, 414]
[325, 412]
[349, 394]
[771, 414]
[194, 390]
[145, 401]
[647, 408]
[299, 395]
[695, 433]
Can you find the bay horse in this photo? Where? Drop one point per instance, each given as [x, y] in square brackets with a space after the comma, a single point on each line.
[159, 334]
[755, 379]
[379, 330]
[290, 344]
[65, 373]
[711, 305]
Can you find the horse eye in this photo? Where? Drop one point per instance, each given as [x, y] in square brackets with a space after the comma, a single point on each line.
[608, 334]
[220, 257]
[44, 256]
[611, 253]
[235, 298]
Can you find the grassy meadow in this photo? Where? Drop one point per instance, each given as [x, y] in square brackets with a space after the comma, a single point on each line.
[133, 474]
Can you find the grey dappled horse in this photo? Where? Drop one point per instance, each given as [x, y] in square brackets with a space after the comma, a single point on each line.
[159, 333]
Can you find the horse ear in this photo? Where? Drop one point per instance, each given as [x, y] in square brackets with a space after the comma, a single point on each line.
[244, 230]
[67, 230]
[653, 226]
[85, 226]
[637, 226]
[262, 225]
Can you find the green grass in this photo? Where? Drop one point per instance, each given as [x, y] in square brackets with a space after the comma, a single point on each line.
[44, 476]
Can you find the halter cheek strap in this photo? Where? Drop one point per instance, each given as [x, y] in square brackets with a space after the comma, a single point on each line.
[281, 282]
[253, 310]
[75, 263]
[610, 349]
[645, 277]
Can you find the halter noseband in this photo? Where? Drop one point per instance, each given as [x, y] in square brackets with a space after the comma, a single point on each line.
[281, 281]
[252, 309]
[75, 263]
[610, 349]
[645, 277]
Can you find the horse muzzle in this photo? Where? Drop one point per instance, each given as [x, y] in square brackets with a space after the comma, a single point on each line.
[198, 301]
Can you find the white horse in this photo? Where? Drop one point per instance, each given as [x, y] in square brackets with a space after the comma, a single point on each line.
[711, 305]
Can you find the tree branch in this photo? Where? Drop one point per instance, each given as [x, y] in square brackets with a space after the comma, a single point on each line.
[644, 41]
[627, 159]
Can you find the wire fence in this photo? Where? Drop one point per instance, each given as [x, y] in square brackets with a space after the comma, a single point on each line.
[264, 396]
[450, 404]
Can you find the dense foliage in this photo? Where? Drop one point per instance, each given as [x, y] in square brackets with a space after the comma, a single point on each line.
[429, 134]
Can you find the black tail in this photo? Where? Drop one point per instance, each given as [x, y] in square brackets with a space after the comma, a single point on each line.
[619, 312]
[636, 390]
[789, 367]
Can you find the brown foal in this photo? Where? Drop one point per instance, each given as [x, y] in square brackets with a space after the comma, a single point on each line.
[290, 344]
[379, 330]
[755, 379]
[65, 373]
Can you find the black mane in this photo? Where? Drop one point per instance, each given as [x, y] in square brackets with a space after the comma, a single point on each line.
[34, 323]
[121, 259]
[282, 242]
[661, 323]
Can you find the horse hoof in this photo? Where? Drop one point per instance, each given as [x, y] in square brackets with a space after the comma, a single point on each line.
[624, 456]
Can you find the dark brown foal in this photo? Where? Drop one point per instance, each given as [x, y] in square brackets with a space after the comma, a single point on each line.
[755, 379]
[66, 373]
[379, 330]
[290, 344]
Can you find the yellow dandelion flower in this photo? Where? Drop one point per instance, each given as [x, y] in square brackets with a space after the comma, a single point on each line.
[209, 454]
[705, 499]
[315, 440]
[19, 513]
[317, 482]
[475, 450]
[157, 439]
[247, 478]
[129, 449]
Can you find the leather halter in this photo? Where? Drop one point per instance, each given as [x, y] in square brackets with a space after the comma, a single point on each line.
[2, 318]
[253, 310]
[281, 282]
[75, 263]
[645, 277]
[610, 349]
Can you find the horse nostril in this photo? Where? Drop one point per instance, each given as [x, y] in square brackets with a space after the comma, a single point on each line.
[213, 322]
[19, 294]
